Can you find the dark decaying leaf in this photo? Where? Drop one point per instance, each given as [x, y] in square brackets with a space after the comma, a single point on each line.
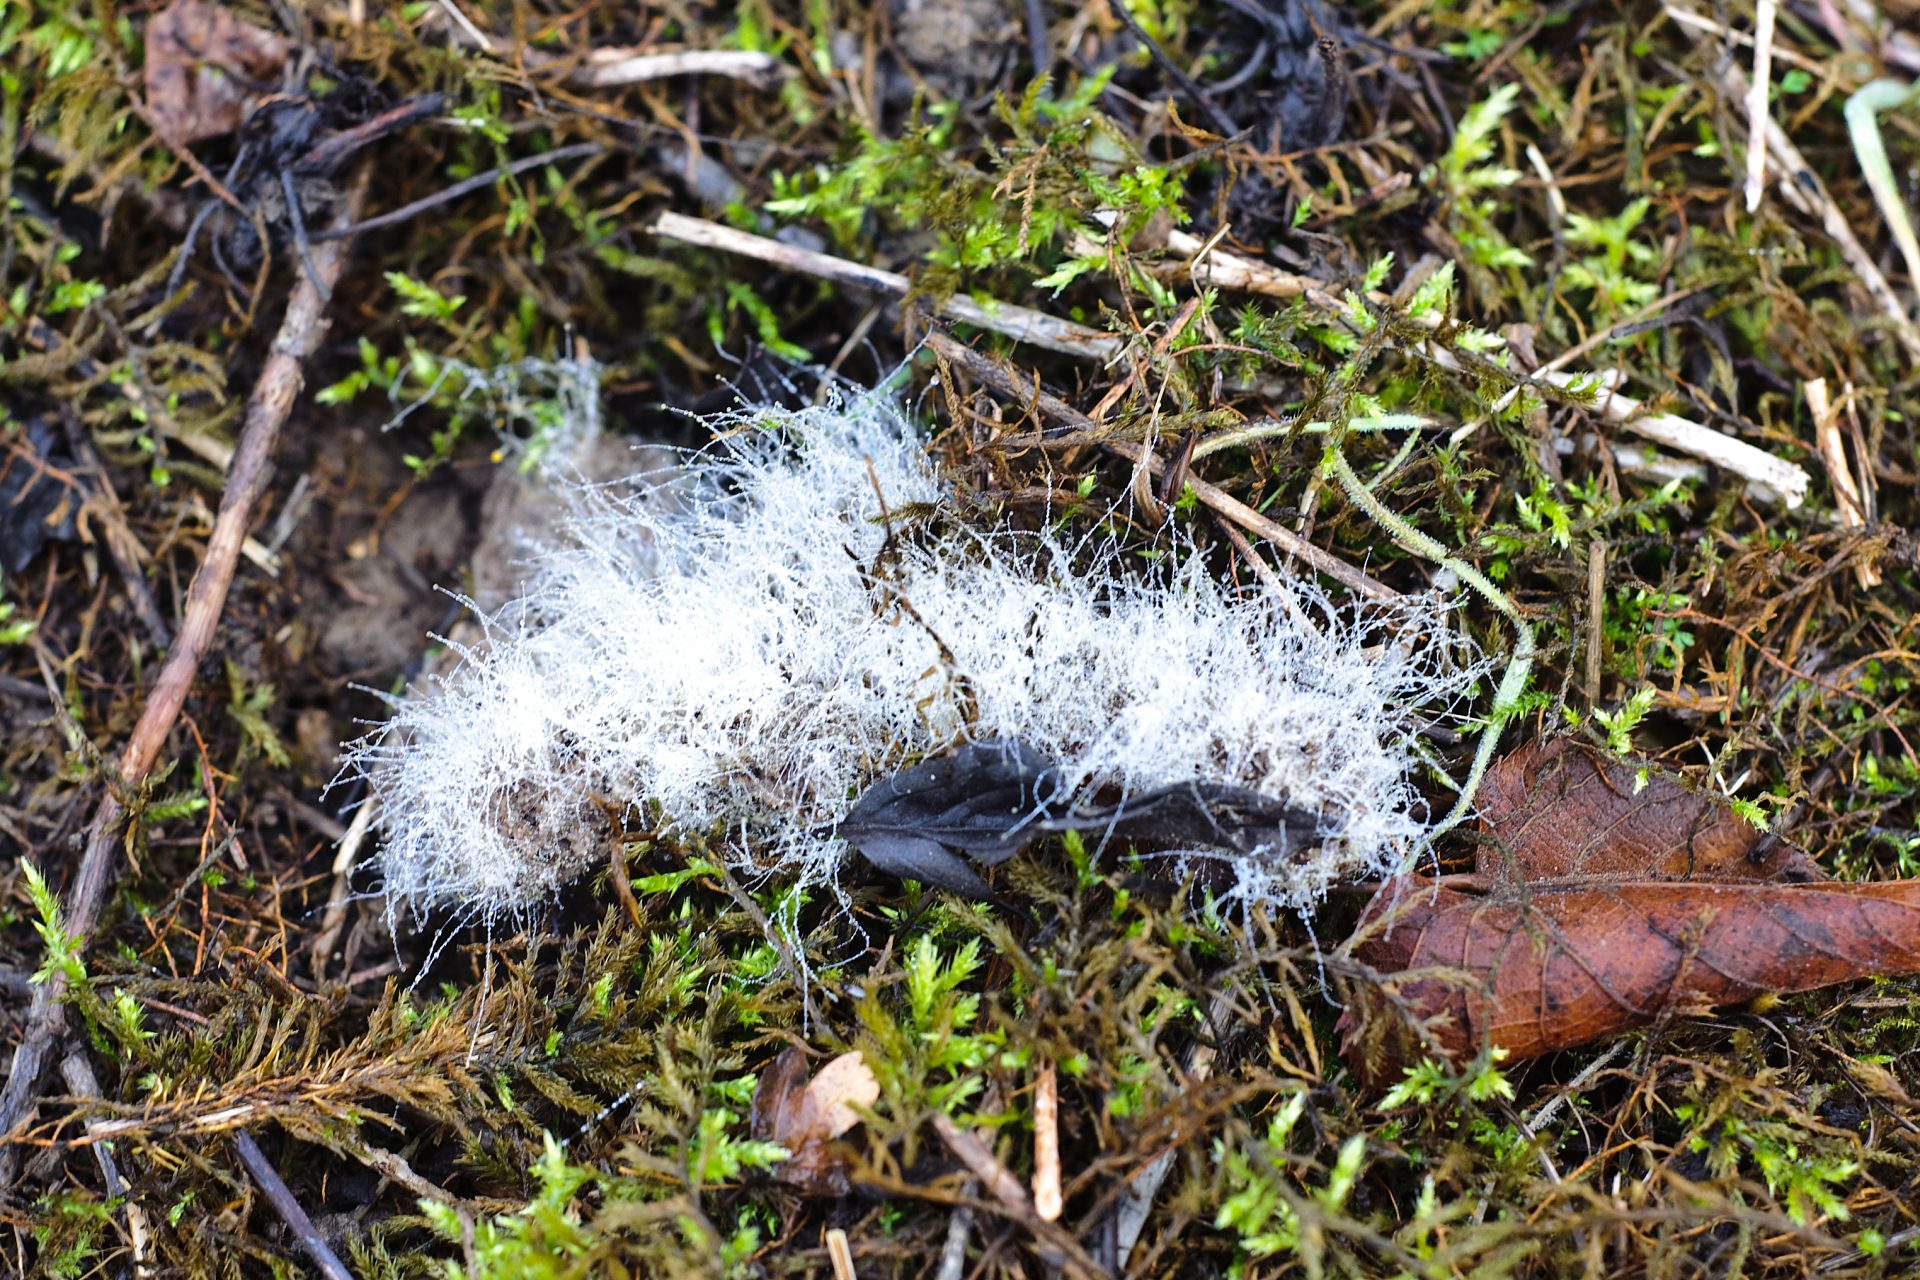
[987, 800]
[39, 497]
[980, 800]
[778, 1097]
[1597, 909]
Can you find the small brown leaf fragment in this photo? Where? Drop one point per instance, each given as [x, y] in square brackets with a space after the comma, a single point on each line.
[204, 69]
[806, 1116]
[1559, 809]
[840, 1086]
[775, 1112]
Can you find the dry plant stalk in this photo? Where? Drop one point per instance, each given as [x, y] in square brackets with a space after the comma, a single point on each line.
[1046, 1145]
[840, 1252]
[1022, 324]
[1848, 492]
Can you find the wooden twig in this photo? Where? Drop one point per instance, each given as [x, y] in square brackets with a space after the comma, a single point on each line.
[1847, 492]
[396, 1169]
[610, 68]
[998, 1180]
[1765, 11]
[267, 408]
[1019, 323]
[405, 212]
[323, 1258]
[953, 1253]
[990, 372]
[1774, 478]
[327, 156]
[1264, 571]
[1053, 1244]
[1222, 123]
[840, 1254]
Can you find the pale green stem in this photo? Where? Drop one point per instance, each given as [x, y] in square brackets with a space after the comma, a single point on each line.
[1396, 462]
[1513, 683]
[1863, 127]
[1267, 428]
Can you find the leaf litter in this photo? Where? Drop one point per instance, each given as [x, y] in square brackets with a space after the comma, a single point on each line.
[1605, 895]
[806, 1115]
[1571, 173]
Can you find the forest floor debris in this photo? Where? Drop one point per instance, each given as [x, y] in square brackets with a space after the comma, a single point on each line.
[1495, 301]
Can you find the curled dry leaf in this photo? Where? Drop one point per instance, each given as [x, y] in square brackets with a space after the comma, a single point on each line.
[1597, 908]
[1537, 968]
[806, 1116]
[205, 67]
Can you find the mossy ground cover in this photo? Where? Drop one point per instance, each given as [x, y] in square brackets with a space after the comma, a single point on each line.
[1476, 188]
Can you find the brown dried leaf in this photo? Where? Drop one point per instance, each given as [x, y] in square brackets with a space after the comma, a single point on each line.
[1596, 908]
[1538, 968]
[775, 1114]
[205, 68]
[1559, 809]
[843, 1084]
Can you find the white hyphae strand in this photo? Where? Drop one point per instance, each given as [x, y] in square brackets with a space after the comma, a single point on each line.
[751, 639]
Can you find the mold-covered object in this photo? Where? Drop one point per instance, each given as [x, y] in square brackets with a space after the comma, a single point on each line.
[754, 637]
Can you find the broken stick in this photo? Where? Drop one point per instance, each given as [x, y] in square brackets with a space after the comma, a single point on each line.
[1022, 324]
[280, 378]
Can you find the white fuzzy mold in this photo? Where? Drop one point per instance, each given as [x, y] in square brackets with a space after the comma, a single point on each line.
[752, 637]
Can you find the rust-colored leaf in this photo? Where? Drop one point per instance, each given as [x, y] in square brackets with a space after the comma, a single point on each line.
[806, 1116]
[205, 67]
[1541, 967]
[1559, 809]
[1597, 908]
